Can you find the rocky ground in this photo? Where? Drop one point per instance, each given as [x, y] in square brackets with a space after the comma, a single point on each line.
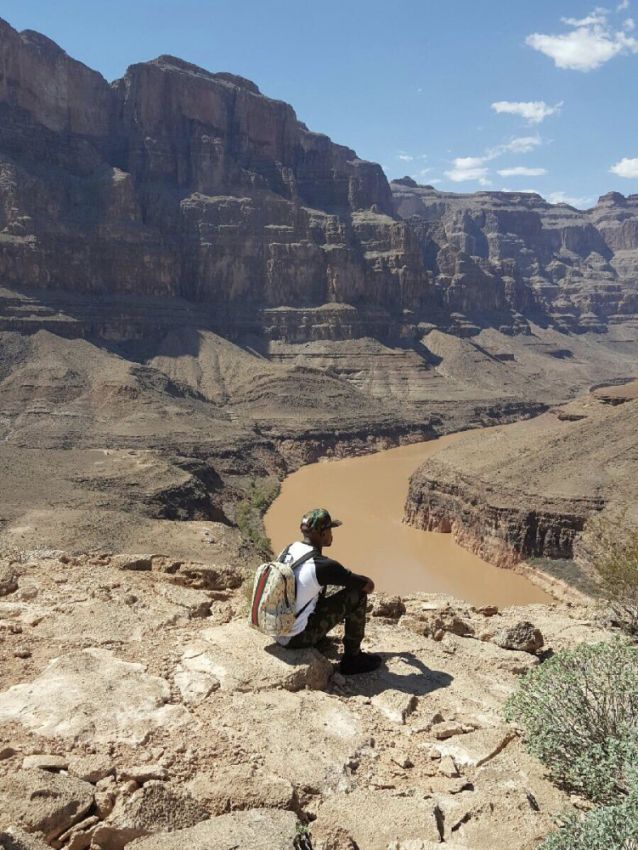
[137, 708]
[528, 490]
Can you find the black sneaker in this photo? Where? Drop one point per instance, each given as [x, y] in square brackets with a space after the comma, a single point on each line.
[362, 662]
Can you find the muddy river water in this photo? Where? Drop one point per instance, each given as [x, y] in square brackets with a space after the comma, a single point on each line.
[368, 494]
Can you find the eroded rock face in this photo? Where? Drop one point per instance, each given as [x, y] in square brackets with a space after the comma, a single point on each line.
[528, 491]
[175, 181]
[516, 254]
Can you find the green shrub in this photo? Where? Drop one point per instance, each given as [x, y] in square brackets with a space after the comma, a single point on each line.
[612, 541]
[579, 713]
[606, 828]
[249, 513]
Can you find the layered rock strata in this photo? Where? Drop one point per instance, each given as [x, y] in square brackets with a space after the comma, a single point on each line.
[175, 182]
[528, 490]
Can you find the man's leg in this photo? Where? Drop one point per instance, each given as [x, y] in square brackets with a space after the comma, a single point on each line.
[345, 606]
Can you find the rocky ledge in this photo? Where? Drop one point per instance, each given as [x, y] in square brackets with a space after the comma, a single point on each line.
[528, 491]
[137, 709]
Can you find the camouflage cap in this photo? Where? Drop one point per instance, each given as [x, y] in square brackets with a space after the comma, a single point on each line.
[318, 519]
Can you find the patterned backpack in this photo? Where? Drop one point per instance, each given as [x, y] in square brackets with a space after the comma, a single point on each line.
[272, 610]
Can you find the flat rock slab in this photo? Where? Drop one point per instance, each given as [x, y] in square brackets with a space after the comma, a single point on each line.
[255, 829]
[235, 657]
[306, 737]
[241, 786]
[376, 819]
[476, 748]
[45, 802]
[92, 696]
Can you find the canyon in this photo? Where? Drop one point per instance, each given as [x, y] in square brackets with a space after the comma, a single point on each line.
[198, 296]
[191, 278]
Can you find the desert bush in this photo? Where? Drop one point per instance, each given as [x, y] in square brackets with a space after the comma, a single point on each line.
[612, 542]
[249, 513]
[579, 713]
[607, 828]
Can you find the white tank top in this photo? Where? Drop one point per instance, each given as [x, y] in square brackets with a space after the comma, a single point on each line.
[307, 588]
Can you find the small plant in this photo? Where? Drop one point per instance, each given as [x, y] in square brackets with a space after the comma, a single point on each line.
[612, 541]
[607, 828]
[579, 712]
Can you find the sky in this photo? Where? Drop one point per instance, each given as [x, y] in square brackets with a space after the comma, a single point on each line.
[464, 95]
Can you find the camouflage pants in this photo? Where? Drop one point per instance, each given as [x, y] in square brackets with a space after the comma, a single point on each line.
[345, 606]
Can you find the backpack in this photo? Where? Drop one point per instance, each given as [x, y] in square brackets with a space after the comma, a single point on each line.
[272, 609]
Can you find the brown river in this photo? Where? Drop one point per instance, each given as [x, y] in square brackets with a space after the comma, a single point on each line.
[368, 494]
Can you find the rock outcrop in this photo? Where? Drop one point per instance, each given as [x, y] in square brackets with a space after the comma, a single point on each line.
[284, 748]
[528, 490]
[518, 257]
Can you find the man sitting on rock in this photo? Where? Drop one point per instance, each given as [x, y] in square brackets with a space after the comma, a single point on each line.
[317, 613]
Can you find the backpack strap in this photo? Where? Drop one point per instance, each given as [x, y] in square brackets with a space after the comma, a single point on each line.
[294, 566]
[303, 559]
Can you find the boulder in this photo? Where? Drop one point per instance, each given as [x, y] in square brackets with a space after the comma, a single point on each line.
[235, 657]
[132, 562]
[143, 773]
[91, 768]
[390, 607]
[8, 580]
[256, 829]
[90, 695]
[523, 637]
[395, 705]
[44, 802]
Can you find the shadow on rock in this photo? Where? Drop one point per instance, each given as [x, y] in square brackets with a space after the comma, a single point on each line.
[400, 671]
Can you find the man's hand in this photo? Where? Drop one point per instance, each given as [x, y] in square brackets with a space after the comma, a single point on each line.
[368, 587]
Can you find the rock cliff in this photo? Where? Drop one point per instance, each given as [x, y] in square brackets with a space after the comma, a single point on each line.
[177, 182]
[528, 490]
[517, 256]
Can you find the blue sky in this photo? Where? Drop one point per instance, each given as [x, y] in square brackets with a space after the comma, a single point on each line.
[464, 94]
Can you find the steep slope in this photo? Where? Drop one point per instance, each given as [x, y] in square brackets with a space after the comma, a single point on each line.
[528, 490]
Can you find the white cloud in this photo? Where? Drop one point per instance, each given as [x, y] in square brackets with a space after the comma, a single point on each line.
[465, 168]
[626, 168]
[522, 144]
[622, 6]
[533, 111]
[520, 191]
[522, 171]
[629, 24]
[404, 156]
[590, 43]
[564, 198]
[468, 168]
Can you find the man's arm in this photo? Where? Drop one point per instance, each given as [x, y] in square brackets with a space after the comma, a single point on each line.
[329, 571]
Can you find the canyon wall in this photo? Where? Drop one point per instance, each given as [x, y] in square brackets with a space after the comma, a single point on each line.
[528, 490]
[178, 183]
